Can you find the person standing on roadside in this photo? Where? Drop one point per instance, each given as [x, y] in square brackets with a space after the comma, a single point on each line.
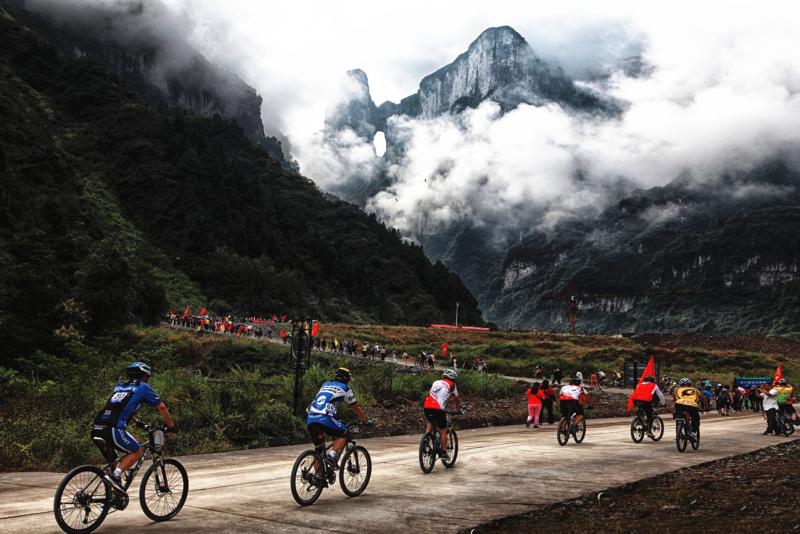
[558, 374]
[769, 399]
[547, 394]
[534, 405]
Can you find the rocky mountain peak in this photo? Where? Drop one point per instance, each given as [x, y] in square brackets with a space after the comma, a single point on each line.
[351, 106]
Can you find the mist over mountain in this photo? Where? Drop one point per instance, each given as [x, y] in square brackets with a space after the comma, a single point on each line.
[524, 182]
[114, 207]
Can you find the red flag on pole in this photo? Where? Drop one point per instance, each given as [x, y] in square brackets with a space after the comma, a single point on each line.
[315, 329]
[649, 370]
[186, 311]
[203, 310]
[444, 349]
[778, 375]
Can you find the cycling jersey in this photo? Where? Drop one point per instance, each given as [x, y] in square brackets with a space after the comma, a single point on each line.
[125, 402]
[439, 393]
[570, 392]
[784, 394]
[646, 391]
[687, 396]
[330, 395]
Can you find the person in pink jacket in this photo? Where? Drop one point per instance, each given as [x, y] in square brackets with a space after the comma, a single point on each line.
[534, 405]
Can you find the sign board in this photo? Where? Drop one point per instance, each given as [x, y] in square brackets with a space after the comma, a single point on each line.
[633, 369]
[752, 381]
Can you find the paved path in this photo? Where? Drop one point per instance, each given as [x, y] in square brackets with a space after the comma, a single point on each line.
[500, 471]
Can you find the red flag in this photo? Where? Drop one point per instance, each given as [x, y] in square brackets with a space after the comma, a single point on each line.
[283, 318]
[203, 310]
[649, 370]
[778, 375]
[315, 329]
[186, 311]
[274, 319]
[444, 349]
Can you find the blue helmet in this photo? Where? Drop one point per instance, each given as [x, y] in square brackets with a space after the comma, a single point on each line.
[139, 369]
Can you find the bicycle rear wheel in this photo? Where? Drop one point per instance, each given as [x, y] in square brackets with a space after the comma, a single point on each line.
[82, 500]
[637, 430]
[306, 484]
[680, 436]
[164, 489]
[562, 434]
[452, 448]
[354, 471]
[657, 428]
[580, 431]
[427, 453]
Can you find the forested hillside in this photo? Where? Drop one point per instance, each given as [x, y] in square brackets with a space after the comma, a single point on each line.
[111, 210]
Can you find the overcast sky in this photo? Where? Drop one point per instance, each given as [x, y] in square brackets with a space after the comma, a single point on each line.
[294, 52]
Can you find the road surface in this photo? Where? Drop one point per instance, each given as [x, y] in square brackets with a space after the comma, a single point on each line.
[500, 471]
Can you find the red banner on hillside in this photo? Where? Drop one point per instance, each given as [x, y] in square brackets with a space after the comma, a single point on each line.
[315, 329]
[186, 311]
[454, 327]
[444, 349]
[203, 310]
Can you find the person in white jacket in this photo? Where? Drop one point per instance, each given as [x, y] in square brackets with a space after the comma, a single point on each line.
[770, 402]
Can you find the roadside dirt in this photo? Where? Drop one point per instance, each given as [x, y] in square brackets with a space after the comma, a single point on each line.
[753, 492]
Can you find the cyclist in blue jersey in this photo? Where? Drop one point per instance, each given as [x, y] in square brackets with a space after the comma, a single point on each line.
[109, 427]
[322, 419]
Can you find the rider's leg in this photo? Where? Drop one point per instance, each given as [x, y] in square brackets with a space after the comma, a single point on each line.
[443, 438]
[694, 413]
[338, 445]
[648, 412]
[129, 459]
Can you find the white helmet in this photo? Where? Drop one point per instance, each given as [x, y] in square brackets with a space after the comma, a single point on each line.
[452, 374]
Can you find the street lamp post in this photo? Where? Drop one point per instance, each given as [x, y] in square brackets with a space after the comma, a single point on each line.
[457, 304]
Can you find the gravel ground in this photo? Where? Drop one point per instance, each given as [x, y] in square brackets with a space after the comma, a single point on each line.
[759, 491]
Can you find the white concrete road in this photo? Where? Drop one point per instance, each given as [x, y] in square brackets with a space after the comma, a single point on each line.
[500, 471]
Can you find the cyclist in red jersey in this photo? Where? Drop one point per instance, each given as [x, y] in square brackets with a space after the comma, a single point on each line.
[434, 406]
[644, 394]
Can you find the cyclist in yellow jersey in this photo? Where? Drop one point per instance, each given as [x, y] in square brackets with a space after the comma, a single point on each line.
[785, 394]
[687, 400]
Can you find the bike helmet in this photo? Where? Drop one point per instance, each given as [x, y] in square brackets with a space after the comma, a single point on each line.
[782, 382]
[452, 374]
[685, 382]
[649, 379]
[342, 375]
[138, 369]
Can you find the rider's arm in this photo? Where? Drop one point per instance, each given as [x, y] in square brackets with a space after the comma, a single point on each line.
[661, 399]
[359, 412]
[458, 401]
[162, 409]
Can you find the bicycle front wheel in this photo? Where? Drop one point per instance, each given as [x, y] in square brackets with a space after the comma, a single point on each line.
[164, 489]
[452, 448]
[696, 441]
[562, 434]
[354, 471]
[657, 428]
[788, 427]
[427, 453]
[306, 482]
[82, 500]
[580, 431]
[637, 430]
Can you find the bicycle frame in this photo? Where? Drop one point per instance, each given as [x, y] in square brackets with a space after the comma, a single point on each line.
[150, 452]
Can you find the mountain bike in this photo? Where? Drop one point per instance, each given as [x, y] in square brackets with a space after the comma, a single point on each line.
[683, 432]
[84, 498]
[639, 426]
[431, 443]
[784, 423]
[313, 471]
[568, 427]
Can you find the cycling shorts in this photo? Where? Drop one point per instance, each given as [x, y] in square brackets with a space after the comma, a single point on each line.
[569, 407]
[436, 417]
[116, 439]
[319, 425]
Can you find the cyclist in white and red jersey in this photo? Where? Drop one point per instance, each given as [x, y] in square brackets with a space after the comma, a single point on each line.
[571, 400]
[434, 406]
